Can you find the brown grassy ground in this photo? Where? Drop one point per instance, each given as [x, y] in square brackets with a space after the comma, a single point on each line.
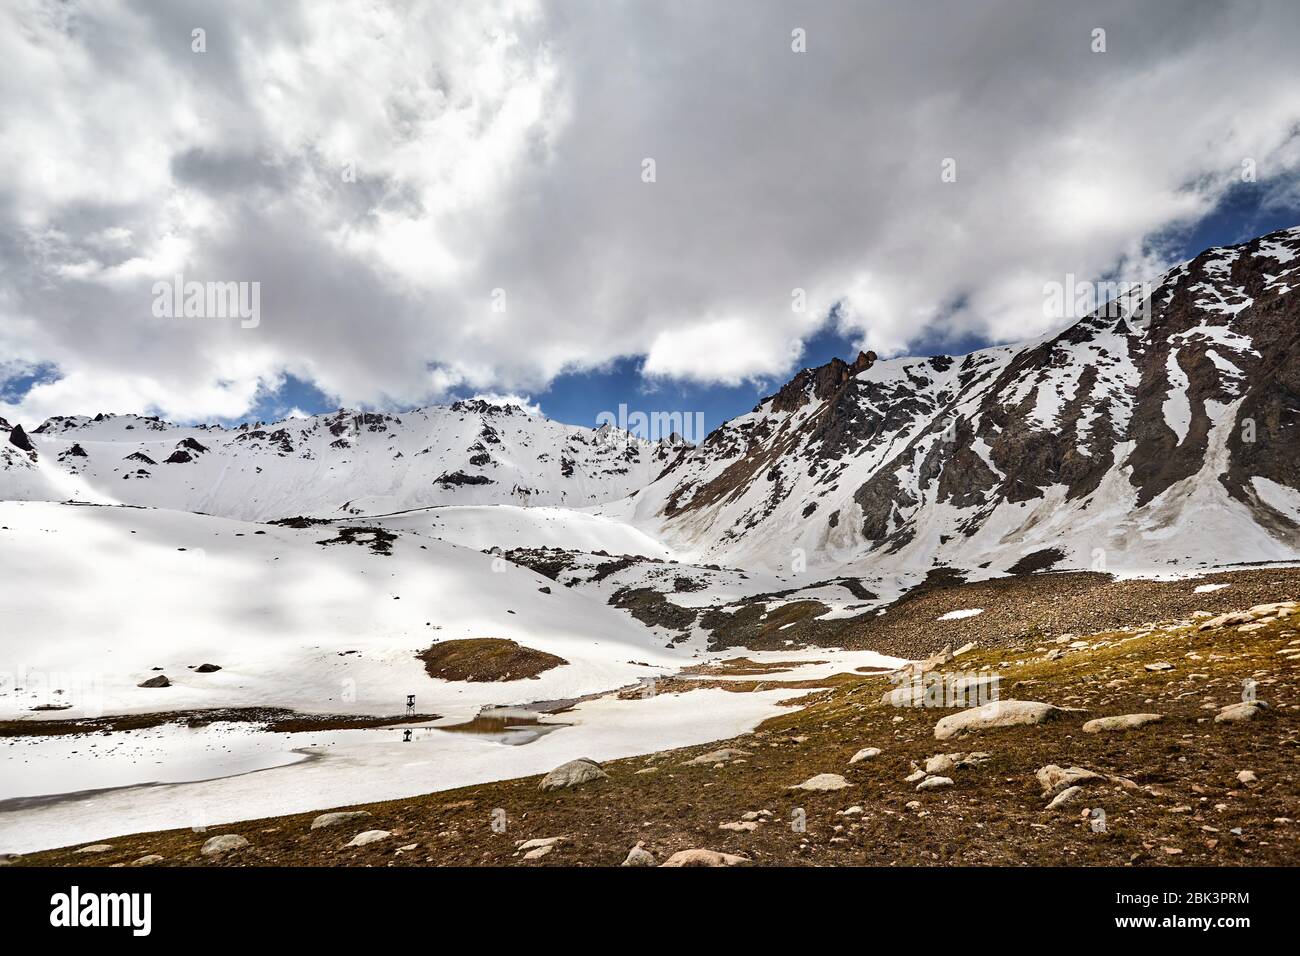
[486, 659]
[1016, 610]
[1186, 804]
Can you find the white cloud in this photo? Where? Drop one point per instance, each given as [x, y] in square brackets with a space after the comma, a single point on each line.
[498, 145]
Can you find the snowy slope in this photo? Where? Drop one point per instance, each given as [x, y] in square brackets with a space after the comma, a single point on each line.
[1126, 442]
[508, 526]
[96, 598]
[470, 452]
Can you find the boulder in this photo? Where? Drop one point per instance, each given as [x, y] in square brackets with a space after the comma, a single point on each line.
[159, 681]
[148, 860]
[1246, 710]
[934, 783]
[1000, 713]
[207, 668]
[337, 817]
[1120, 722]
[866, 753]
[940, 763]
[1054, 779]
[226, 843]
[367, 837]
[572, 774]
[698, 857]
[822, 781]
[639, 856]
[96, 848]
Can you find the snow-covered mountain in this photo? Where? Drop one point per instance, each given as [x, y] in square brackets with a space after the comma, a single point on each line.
[1157, 437]
[1166, 437]
[469, 453]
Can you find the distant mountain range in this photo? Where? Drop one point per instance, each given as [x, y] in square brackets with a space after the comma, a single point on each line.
[471, 452]
[1155, 432]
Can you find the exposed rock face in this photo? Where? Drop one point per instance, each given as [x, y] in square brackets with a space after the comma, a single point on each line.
[1188, 397]
[159, 681]
[18, 438]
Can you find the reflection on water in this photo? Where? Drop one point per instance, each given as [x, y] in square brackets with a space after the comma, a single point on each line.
[507, 725]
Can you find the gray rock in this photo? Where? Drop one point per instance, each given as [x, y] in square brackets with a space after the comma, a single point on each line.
[1120, 722]
[572, 774]
[337, 817]
[866, 753]
[1246, 710]
[159, 681]
[226, 843]
[822, 781]
[149, 860]
[96, 848]
[366, 837]
[1054, 779]
[1068, 795]
[1000, 713]
[537, 843]
[639, 856]
[940, 763]
[934, 783]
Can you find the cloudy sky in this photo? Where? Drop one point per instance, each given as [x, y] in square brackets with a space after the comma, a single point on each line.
[443, 199]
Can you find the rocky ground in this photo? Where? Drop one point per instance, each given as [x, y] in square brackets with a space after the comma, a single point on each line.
[1207, 776]
[1015, 609]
